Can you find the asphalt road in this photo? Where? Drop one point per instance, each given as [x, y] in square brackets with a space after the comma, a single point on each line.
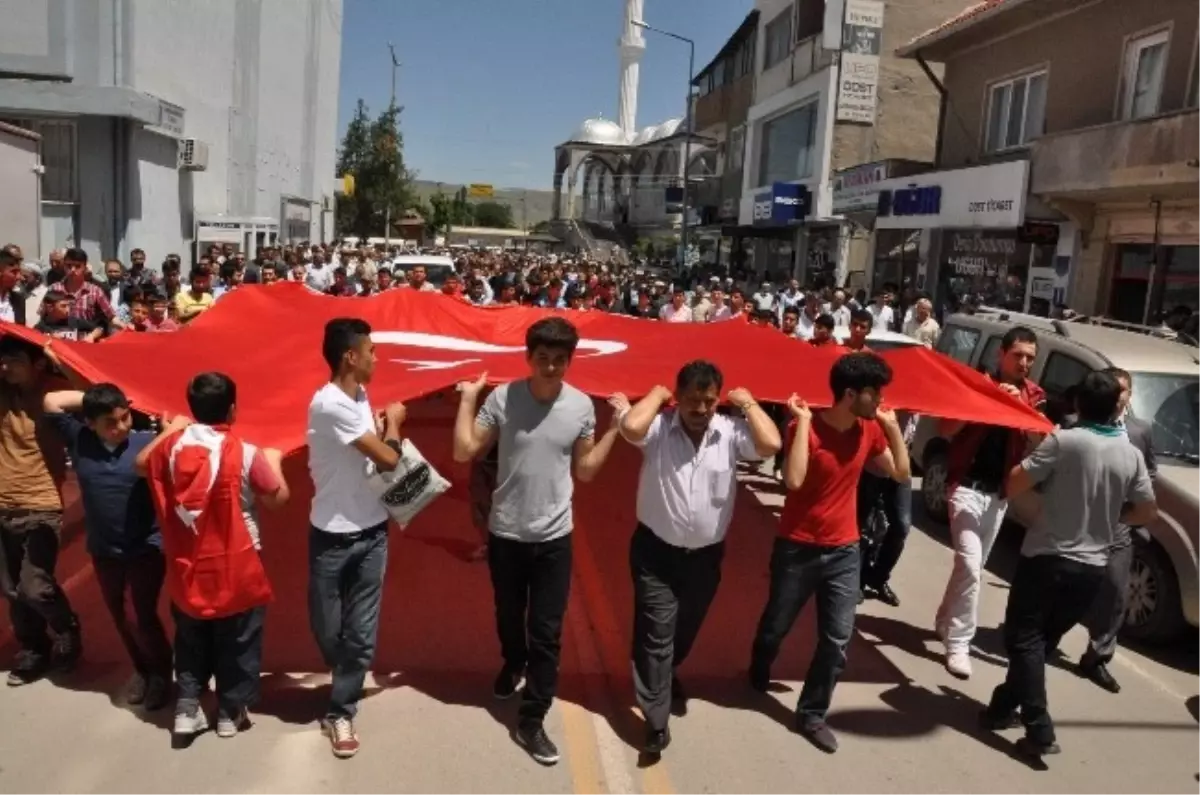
[430, 724]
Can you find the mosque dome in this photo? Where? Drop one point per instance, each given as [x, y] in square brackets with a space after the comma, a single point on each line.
[667, 129]
[599, 132]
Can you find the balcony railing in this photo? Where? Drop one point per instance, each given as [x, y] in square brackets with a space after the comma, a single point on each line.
[1158, 155]
[809, 57]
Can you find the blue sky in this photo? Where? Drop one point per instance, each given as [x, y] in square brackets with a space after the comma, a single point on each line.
[490, 86]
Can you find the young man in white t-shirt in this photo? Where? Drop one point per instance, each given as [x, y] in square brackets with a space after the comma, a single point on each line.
[347, 549]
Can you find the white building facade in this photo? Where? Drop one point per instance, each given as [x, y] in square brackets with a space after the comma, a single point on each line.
[167, 120]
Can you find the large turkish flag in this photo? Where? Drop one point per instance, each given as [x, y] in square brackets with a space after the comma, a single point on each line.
[268, 339]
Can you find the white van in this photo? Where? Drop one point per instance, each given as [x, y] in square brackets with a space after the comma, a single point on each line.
[437, 267]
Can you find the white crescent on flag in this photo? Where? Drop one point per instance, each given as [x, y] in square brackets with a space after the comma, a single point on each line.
[440, 342]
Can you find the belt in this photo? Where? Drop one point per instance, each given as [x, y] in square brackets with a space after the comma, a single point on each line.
[981, 486]
[645, 530]
[350, 538]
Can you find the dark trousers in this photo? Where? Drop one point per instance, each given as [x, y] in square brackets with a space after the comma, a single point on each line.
[228, 649]
[29, 548]
[345, 594]
[881, 553]
[143, 634]
[1049, 595]
[531, 583]
[798, 571]
[1107, 613]
[673, 588]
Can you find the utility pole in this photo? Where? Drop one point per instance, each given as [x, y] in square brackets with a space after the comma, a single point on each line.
[387, 216]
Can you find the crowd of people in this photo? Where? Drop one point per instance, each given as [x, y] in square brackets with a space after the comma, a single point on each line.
[177, 508]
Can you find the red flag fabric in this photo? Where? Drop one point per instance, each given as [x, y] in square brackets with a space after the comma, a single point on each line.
[268, 339]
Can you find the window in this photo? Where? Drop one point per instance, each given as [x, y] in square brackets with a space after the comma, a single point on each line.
[59, 182]
[778, 39]
[1142, 79]
[1016, 111]
[704, 84]
[958, 343]
[746, 57]
[787, 146]
[810, 19]
[1062, 373]
[737, 148]
[989, 359]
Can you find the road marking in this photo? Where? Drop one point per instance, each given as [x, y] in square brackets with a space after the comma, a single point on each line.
[1124, 659]
[578, 731]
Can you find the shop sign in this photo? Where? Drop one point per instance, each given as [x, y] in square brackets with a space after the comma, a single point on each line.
[785, 203]
[972, 254]
[858, 77]
[857, 189]
[984, 197]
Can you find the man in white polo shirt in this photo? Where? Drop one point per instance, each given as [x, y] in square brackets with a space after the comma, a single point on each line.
[347, 546]
[685, 500]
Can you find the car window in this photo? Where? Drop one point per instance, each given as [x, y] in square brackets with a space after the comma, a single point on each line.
[1061, 374]
[989, 360]
[958, 342]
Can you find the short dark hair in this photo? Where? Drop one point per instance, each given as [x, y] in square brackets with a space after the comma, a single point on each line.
[342, 335]
[228, 269]
[825, 320]
[1119, 374]
[792, 310]
[15, 346]
[737, 291]
[54, 296]
[170, 265]
[1096, 397]
[858, 371]
[199, 272]
[75, 255]
[101, 400]
[135, 252]
[862, 316]
[1017, 334]
[699, 375]
[556, 333]
[211, 397]
[8, 258]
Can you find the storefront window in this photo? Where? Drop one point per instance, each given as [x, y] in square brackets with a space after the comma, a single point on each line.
[897, 258]
[787, 145]
[820, 266]
[988, 268]
[1143, 292]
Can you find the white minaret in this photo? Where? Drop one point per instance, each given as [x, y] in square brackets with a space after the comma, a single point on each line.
[630, 47]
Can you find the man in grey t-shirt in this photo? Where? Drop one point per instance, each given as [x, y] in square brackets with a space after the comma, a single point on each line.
[543, 427]
[1092, 478]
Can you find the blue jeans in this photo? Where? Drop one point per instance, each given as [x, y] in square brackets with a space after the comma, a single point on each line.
[345, 592]
[797, 572]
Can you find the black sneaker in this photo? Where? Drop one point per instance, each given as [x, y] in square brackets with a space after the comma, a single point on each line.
[885, 594]
[158, 693]
[28, 667]
[1036, 750]
[992, 723]
[657, 741]
[760, 678]
[679, 699]
[506, 684]
[539, 746]
[68, 648]
[820, 735]
[135, 691]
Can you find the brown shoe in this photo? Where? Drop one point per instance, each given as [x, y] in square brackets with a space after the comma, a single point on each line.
[341, 736]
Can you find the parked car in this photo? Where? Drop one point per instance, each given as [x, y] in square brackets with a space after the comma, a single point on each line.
[437, 267]
[878, 341]
[1166, 393]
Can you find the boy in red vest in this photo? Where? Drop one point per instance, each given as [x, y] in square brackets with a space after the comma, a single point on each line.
[204, 481]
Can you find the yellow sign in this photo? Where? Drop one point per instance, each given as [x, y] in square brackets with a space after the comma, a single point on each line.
[480, 191]
[348, 184]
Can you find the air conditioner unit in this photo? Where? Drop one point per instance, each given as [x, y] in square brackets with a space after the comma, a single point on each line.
[193, 155]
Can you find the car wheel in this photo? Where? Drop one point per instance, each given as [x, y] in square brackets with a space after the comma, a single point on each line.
[933, 488]
[1153, 612]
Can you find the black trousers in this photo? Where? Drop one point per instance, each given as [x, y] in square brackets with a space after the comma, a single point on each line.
[673, 588]
[881, 554]
[29, 553]
[229, 649]
[531, 582]
[1107, 614]
[1049, 595]
[143, 634]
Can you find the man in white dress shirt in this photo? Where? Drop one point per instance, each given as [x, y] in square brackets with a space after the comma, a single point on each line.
[685, 499]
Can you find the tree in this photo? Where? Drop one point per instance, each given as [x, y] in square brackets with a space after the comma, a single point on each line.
[372, 152]
[494, 215]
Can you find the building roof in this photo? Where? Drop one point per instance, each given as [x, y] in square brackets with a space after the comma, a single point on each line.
[967, 19]
[749, 25]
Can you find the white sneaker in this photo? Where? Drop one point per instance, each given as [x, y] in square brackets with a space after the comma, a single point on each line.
[190, 721]
[958, 663]
[229, 726]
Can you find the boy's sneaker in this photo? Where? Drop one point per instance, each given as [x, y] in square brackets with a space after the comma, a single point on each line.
[506, 684]
[341, 735]
[534, 740]
[190, 720]
[229, 726]
[68, 648]
[135, 691]
[158, 693]
[28, 667]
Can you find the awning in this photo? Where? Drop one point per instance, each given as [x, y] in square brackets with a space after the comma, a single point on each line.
[40, 97]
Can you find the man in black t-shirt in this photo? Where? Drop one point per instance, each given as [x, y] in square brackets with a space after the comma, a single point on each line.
[57, 321]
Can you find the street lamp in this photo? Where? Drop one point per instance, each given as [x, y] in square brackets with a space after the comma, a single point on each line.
[687, 141]
[387, 216]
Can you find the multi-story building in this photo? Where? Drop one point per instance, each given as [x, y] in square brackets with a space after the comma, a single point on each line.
[829, 95]
[1067, 158]
[167, 122]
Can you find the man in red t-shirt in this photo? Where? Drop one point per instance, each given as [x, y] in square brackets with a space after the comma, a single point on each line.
[817, 551]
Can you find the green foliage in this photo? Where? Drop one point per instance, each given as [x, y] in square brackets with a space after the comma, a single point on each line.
[494, 215]
[372, 151]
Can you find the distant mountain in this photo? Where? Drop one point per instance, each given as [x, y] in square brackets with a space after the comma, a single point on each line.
[528, 206]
